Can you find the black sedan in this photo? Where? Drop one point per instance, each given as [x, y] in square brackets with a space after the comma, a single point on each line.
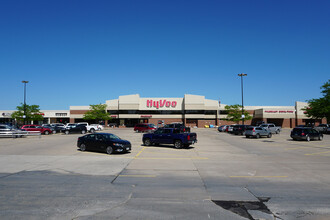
[104, 142]
[306, 133]
[76, 128]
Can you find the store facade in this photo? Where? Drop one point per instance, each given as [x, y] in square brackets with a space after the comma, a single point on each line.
[193, 110]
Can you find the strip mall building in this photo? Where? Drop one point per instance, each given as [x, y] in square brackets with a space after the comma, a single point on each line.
[193, 110]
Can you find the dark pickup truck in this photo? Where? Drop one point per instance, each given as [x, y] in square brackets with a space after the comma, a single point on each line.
[170, 136]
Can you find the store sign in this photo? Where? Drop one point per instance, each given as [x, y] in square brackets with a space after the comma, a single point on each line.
[161, 103]
[146, 116]
[6, 114]
[279, 111]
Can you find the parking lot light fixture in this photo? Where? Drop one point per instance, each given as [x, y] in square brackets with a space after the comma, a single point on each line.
[24, 107]
[243, 116]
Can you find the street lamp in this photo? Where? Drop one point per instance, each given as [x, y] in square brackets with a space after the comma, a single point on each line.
[243, 116]
[24, 116]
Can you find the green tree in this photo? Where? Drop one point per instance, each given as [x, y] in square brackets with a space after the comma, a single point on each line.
[32, 113]
[320, 108]
[97, 113]
[235, 113]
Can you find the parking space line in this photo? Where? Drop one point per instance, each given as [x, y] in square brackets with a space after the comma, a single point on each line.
[171, 158]
[143, 176]
[258, 176]
[295, 148]
[138, 154]
[325, 152]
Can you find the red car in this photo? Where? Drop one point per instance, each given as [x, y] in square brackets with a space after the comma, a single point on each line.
[144, 127]
[36, 128]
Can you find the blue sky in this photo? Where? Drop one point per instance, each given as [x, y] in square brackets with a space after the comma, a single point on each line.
[85, 52]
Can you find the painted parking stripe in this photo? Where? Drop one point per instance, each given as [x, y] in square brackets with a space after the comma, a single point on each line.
[258, 176]
[135, 175]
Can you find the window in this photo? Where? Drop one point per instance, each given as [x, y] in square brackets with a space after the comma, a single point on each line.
[61, 114]
[159, 131]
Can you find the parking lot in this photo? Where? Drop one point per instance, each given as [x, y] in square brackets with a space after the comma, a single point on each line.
[223, 176]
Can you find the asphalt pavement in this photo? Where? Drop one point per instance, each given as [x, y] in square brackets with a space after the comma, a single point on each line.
[223, 176]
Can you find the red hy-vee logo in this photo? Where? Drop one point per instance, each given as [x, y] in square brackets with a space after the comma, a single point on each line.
[161, 103]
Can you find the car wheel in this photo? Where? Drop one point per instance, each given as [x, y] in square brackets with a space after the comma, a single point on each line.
[308, 138]
[83, 131]
[247, 136]
[66, 132]
[92, 130]
[257, 136]
[147, 142]
[109, 150]
[82, 147]
[269, 135]
[177, 144]
[46, 133]
[320, 137]
[277, 132]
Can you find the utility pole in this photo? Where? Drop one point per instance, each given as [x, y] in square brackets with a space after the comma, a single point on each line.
[243, 116]
[24, 116]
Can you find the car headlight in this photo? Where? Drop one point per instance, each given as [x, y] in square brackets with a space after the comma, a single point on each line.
[118, 145]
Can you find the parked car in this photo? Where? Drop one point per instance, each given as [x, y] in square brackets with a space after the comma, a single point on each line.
[98, 126]
[58, 128]
[90, 128]
[144, 127]
[322, 128]
[178, 125]
[104, 142]
[305, 133]
[230, 128]
[50, 127]
[9, 131]
[57, 124]
[239, 129]
[222, 128]
[75, 128]
[170, 136]
[36, 128]
[253, 131]
[272, 127]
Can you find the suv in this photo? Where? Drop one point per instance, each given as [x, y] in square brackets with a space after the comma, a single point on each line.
[36, 128]
[322, 128]
[144, 127]
[75, 128]
[239, 129]
[257, 132]
[306, 134]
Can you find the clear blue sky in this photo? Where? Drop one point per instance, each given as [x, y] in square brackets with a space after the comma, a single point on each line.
[85, 52]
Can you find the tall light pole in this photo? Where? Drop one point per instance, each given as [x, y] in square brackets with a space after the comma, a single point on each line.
[24, 116]
[243, 116]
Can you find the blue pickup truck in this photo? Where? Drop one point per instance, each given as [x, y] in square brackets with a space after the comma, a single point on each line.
[170, 136]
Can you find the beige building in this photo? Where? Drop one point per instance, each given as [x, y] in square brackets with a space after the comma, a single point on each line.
[193, 110]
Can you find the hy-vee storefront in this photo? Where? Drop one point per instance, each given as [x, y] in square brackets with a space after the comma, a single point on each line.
[129, 110]
[193, 110]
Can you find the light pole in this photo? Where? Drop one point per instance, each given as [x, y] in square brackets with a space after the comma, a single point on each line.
[243, 116]
[24, 116]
